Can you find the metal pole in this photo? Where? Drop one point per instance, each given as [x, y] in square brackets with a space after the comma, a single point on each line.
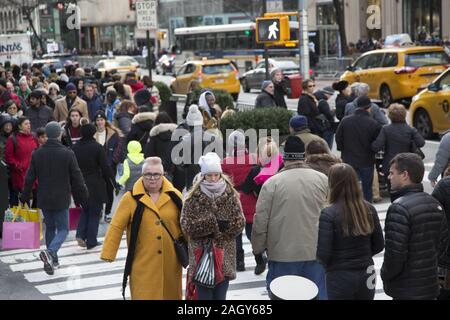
[266, 51]
[149, 55]
[303, 39]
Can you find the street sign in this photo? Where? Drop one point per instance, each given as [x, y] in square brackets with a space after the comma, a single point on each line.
[272, 30]
[146, 14]
[274, 5]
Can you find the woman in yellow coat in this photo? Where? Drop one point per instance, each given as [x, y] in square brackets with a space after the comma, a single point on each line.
[156, 273]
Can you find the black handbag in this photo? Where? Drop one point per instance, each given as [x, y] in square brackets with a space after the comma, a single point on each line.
[180, 245]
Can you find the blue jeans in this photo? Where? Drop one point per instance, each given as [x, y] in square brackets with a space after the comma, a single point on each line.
[366, 176]
[219, 292]
[88, 226]
[311, 270]
[56, 230]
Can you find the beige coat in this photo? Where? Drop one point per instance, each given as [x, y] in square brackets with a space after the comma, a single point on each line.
[61, 111]
[156, 273]
[287, 214]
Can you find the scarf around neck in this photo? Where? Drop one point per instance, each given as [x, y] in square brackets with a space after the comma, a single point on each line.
[213, 189]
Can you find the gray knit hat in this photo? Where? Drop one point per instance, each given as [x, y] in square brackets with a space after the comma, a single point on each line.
[53, 130]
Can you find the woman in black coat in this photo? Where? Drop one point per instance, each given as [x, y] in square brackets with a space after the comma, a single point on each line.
[344, 97]
[92, 162]
[281, 87]
[308, 105]
[397, 137]
[442, 194]
[159, 143]
[350, 235]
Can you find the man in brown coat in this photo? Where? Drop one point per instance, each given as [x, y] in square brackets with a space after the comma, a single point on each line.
[69, 102]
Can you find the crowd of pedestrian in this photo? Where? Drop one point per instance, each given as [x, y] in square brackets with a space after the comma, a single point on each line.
[182, 191]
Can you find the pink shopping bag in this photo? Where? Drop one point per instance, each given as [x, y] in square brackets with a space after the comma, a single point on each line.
[74, 217]
[21, 235]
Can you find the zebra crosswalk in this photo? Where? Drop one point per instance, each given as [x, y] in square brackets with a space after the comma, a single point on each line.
[83, 276]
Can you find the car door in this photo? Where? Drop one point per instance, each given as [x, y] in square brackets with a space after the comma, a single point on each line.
[178, 79]
[259, 75]
[187, 78]
[374, 74]
[358, 71]
[387, 76]
[440, 105]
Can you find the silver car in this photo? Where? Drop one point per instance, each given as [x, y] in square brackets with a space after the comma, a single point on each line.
[254, 78]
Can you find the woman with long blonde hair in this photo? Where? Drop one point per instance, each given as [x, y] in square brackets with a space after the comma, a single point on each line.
[350, 235]
[212, 211]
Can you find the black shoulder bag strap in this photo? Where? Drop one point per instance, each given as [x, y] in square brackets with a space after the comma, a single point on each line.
[179, 203]
[135, 224]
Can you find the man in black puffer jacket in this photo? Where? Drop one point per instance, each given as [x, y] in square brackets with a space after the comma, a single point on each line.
[442, 194]
[416, 234]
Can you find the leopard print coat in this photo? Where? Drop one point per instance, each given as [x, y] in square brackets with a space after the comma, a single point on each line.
[199, 223]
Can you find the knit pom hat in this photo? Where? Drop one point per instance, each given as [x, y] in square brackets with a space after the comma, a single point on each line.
[194, 116]
[210, 163]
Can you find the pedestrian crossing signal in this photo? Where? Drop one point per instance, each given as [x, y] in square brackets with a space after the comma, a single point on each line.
[272, 30]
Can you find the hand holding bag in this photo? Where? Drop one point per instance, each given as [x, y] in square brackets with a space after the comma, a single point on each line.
[29, 215]
[205, 272]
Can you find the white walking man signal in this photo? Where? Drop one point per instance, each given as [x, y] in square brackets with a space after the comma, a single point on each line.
[273, 29]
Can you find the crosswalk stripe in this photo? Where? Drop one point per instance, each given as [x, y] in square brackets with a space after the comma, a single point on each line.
[66, 244]
[84, 276]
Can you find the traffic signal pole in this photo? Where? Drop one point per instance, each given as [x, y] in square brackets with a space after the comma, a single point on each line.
[303, 38]
[149, 54]
[266, 50]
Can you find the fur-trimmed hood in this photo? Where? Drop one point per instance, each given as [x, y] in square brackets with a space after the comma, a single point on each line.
[322, 162]
[144, 116]
[162, 127]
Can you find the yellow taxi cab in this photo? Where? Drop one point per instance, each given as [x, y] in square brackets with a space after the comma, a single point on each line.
[430, 109]
[398, 73]
[123, 65]
[214, 74]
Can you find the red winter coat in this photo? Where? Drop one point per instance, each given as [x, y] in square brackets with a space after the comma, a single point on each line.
[136, 86]
[19, 161]
[238, 173]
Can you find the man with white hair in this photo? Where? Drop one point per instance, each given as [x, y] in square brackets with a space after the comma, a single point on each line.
[150, 214]
[360, 89]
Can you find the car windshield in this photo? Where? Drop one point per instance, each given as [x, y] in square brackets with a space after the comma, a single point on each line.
[426, 59]
[217, 68]
[286, 65]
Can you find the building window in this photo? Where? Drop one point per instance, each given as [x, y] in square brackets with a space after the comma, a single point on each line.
[422, 19]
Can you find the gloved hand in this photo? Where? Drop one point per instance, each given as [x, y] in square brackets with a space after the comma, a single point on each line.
[117, 189]
[223, 225]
